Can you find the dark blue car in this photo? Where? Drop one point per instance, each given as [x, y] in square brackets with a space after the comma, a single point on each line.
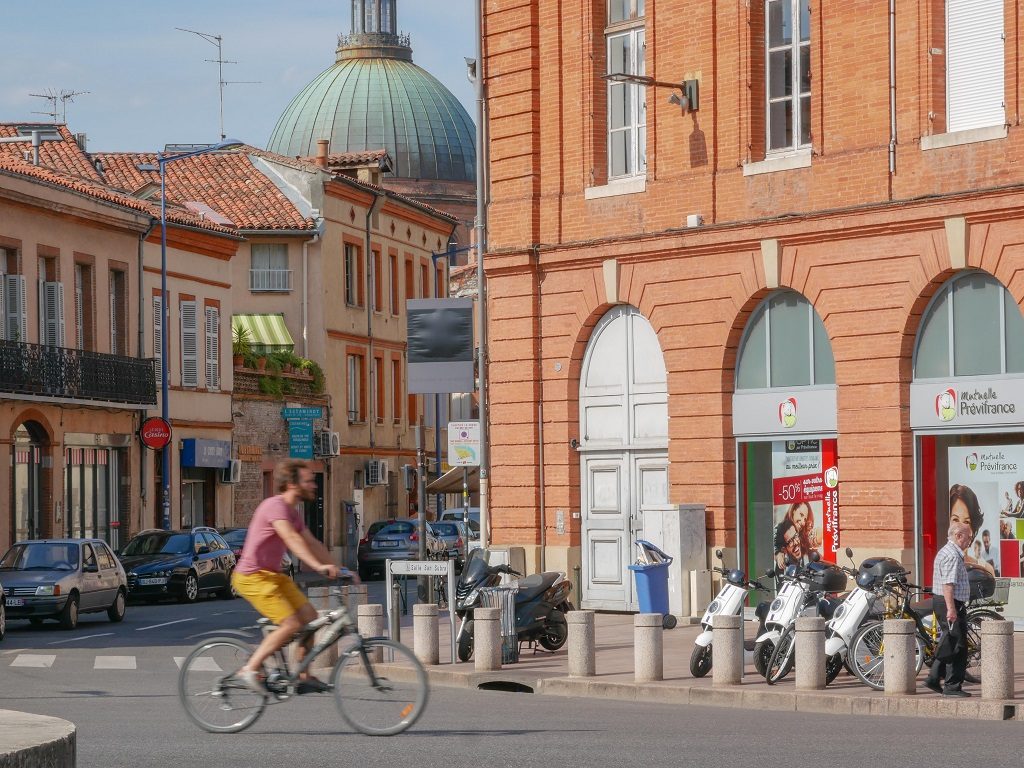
[179, 564]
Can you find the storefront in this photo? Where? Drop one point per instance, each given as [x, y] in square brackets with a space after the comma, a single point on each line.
[27, 488]
[95, 474]
[201, 463]
[967, 415]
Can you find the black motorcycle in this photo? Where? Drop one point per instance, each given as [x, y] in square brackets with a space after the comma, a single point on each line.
[541, 603]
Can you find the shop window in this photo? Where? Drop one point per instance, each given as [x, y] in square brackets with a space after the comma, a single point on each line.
[785, 345]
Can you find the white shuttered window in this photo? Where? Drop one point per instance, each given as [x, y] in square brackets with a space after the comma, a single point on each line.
[189, 345]
[975, 88]
[158, 336]
[51, 314]
[212, 348]
[15, 315]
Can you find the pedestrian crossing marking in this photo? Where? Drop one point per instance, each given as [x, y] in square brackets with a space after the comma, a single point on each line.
[202, 664]
[114, 662]
[33, 660]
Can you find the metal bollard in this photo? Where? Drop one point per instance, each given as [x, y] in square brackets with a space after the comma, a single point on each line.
[810, 653]
[900, 657]
[424, 633]
[648, 647]
[370, 622]
[487, 639]
[582, 651]
[727, 650]
[997, 659]
[396, 616]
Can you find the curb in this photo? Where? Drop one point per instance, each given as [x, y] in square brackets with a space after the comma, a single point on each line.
[36, 740]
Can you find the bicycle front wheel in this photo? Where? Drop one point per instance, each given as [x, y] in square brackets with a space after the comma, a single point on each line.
[380, 698]
[781, 661]
[867, 655]
[210, 695]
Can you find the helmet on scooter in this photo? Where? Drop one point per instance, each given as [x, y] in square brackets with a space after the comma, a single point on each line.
[737, 577]
[865, 580]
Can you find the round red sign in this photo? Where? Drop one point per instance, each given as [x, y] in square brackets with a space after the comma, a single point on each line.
[155, 433]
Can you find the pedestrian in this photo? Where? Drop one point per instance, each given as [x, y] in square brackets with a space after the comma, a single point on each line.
[952, 591]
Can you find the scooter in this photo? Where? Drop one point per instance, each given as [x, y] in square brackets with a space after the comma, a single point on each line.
[728, 602]
[541, 603]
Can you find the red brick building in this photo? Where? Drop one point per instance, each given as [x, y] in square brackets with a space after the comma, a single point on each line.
[819, 267]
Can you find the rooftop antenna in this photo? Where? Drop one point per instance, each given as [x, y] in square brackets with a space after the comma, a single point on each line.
[52, 97]
[220, 61]
[65, 97]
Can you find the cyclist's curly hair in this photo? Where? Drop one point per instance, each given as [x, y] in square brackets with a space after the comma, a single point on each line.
[287, 473]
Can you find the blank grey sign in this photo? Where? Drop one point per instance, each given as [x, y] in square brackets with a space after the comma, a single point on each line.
[441, 335]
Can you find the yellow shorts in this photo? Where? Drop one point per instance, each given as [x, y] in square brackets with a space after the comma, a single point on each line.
[272, 594]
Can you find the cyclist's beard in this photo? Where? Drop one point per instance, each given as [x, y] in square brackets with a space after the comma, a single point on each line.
[307, 494]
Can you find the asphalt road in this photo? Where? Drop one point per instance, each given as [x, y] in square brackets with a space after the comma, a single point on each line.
[128, 715]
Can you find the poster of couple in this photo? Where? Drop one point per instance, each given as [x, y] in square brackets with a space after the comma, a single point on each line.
[805, 500]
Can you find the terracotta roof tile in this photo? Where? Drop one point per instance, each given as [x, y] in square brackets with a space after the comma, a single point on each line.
[64, 155]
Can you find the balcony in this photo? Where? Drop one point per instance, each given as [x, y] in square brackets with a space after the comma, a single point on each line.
[270, 280]
[73, 374]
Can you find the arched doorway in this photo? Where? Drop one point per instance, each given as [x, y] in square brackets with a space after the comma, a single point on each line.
[624, 451]
[29, 487]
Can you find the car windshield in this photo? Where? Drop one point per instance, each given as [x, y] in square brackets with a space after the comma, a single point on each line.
[44, 556]
[235, 538]
[397, 529]
[160, 543]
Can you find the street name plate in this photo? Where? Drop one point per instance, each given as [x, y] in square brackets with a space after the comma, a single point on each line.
[419, 567]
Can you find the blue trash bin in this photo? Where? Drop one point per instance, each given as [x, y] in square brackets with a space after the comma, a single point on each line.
[652, 584]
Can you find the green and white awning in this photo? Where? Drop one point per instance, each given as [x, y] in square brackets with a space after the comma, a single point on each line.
[267, 332]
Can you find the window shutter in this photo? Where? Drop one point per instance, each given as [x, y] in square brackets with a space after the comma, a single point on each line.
[19, 308]
[212, 348]
[975, 88]
[43, 336]
[158, 338]
[79, 331]
[189, 345]
[58, 314]
[3, 306]
[51, 296]
[115, 349]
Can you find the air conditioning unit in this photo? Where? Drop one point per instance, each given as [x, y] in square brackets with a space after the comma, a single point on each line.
[376, 472]
[232, 473]
[326, 443]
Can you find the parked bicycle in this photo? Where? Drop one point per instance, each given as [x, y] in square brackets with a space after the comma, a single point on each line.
[379, 685]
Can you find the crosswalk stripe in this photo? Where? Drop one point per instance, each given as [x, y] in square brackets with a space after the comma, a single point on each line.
[202, 664]
[33, 660]
[114, 662]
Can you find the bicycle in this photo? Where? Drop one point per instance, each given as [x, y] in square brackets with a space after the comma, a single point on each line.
[374, 700]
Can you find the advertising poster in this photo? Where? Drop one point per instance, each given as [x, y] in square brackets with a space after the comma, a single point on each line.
[805, 499]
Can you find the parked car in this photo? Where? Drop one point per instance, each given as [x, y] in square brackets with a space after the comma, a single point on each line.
[235, 537]
[181, 564]
[363, 549]
[456, 514]
[396, 540]
[453, 534]
[62, 579]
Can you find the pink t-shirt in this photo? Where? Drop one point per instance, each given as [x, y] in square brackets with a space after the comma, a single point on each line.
[264, 549]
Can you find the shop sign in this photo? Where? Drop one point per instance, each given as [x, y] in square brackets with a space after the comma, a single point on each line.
[302, 413]
[250, 453]
[967, 403]
[805, 499]
[780, 412]
[300, 439]
[155, 433]
[213, 454]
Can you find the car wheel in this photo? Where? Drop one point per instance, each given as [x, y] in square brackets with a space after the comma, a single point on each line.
[116, 610]
[69, 616]
[190, 593]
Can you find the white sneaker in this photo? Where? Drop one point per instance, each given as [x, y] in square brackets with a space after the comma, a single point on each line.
[251, 680]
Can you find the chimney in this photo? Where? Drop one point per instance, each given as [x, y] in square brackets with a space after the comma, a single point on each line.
[322, 146]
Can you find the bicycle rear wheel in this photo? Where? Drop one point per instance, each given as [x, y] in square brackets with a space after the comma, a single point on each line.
[210, 695]
[380, 699]
[867, 655]
[781, 662]
[974, 619]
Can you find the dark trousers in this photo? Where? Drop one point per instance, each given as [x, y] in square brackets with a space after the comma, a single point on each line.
[953, 672]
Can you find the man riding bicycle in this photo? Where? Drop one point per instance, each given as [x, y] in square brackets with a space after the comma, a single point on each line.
[277, 525]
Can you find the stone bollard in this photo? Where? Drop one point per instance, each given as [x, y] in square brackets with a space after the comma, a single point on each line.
[487, 639]
[371, 624]
[320, 598]
[582, 652]
[648, 647]
[727, 650]
[900, 657]
[356, 597]
[996, 659]
[424, 633]
[810, 653]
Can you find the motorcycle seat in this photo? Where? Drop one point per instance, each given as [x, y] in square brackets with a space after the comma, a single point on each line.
[535, 584]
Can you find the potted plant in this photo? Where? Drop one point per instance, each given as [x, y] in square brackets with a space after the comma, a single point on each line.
[241, 344]
[261, 363]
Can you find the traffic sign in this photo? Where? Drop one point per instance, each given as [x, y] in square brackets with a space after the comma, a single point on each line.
[464, 443]
[419, 567]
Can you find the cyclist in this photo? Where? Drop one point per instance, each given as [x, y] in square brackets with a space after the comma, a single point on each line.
[277, 525]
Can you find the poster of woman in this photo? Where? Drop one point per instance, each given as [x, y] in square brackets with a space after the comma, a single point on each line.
[805, 497]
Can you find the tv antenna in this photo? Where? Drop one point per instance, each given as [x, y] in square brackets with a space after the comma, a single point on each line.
[52, 96]
[220, 61]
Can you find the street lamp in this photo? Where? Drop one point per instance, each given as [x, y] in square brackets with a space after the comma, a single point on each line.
[161, 166]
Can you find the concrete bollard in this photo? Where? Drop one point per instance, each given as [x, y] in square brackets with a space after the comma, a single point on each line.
[582, 650]
[727, 650]
[996, 659]
[424, 633]
[370, 622]
[356, 597]
[487, 639]
[810, 653]
[320, 598]
[648, 647]
[899, 657]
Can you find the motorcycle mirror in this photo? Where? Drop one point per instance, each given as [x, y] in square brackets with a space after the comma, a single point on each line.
[718, 554]
[849, 553]
[813, 556]
[770, 572]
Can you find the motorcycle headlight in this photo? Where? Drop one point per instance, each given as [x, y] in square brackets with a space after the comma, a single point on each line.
[776, 604]
[468, 600]
[47, 590]
[715, 607]
[840, 612]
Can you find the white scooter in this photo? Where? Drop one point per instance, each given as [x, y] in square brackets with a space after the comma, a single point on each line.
[728, 602]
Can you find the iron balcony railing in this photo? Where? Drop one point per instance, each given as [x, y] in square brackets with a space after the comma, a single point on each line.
[34, 369]
[270, 279]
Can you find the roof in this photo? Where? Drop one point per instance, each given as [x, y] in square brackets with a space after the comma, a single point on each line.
[64, 155]
[364, 104]
[351, 160]
[227, 182]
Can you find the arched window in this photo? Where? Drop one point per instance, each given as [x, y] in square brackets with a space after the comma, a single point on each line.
[785, 345]
[972, 327]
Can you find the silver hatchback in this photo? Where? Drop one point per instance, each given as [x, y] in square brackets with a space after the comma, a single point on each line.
[62, 579]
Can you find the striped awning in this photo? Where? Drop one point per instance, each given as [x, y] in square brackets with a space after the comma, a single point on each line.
[267, 333]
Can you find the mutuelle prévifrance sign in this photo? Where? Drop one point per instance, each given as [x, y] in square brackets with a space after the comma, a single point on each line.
[967, 403]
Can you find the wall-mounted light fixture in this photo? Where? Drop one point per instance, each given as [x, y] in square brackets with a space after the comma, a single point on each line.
[688, 98]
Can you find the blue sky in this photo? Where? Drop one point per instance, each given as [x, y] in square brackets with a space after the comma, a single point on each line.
[149, 84]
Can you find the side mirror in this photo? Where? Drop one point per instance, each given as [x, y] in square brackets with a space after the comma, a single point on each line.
[813, 556]
[849, 553]
[718, 554]
[770, 573]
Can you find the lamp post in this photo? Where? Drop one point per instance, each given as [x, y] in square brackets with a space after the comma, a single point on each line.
[161, 166]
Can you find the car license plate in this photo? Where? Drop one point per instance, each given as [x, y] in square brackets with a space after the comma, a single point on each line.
[15, 602]
[387, 543]
[151, 582]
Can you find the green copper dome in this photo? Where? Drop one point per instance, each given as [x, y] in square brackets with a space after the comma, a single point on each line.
[374, 97]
